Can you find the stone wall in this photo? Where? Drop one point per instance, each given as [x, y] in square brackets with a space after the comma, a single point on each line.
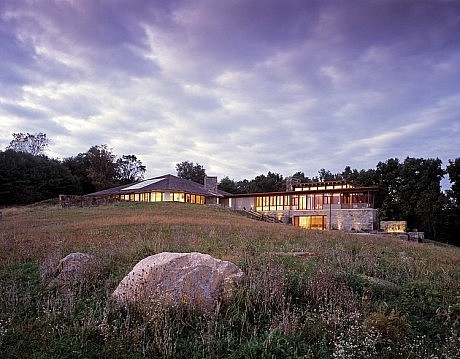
[361, 219]
[84, 201]
[355, 219]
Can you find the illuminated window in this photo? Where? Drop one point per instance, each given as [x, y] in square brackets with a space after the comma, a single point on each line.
[303, 202]
[287, 202]
[258, 203]
[177, 196]
[279, 202]
[310, 222]
[295, 202]
[156, 197]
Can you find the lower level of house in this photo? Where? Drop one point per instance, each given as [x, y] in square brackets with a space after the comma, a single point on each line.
[364, 219]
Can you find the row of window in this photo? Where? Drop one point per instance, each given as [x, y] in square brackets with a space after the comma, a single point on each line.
[163, 197]
[307, 201]
[321, 187]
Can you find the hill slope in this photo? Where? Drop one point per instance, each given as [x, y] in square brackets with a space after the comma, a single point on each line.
[306, 293]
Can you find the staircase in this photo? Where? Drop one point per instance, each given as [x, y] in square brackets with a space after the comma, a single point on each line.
[259, 217]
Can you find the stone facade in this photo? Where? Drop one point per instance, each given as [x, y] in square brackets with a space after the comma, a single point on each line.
[361, 219]
[83, 201]
[365, 219]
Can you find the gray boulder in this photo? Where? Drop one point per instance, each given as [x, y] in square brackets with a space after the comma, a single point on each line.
[194, 280]
[73, 269]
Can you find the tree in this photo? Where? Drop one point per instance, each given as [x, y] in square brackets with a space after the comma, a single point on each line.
[26, 179]
[102, 167]
[411, 191]
[389, 180]
[326, 175]
[451, 224]
[78, 166]
[421, 188]
[453, 170]
[191, 171]
[273, 182]
[98, 169]
[33, 144]
[129, 169]
[300, 176]
[95, 169]
[243, 186]
[228, 185]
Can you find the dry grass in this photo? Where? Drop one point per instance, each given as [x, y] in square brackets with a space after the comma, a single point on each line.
[334, 302]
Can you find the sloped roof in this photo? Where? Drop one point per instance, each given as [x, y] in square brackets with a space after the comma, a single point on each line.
[161, 183]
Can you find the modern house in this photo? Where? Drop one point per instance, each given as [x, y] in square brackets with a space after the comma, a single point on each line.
[167, 188]
[321, 205]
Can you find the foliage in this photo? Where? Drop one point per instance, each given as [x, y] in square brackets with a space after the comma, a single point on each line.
[272, 182]
[228, 185]
[319, 305]
[102, 168]
[452, 207]
[78, 166]
[99, 169]
[191, 171]
[25, 178]
[129, 169]
[453, 170]
[33, 144]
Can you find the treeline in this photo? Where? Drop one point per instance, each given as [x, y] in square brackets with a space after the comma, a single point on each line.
[27, 175]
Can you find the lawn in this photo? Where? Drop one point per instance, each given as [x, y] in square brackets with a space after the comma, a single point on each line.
[306, 294]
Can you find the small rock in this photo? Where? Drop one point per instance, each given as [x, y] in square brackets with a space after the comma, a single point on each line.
[72, 269]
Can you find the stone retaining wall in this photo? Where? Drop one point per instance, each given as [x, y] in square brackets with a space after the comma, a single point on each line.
[84, 201]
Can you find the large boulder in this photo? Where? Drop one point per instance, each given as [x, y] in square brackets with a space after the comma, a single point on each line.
[194, 280]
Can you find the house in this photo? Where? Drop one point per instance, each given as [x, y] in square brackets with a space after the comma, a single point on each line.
[321, 205]
[167, 188]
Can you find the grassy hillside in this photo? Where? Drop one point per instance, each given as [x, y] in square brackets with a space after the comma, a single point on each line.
[306, 294]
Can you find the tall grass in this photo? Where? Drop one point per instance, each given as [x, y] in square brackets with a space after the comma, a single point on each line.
[347, 297]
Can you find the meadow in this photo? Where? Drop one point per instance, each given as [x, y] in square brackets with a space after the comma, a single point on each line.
[306, 294]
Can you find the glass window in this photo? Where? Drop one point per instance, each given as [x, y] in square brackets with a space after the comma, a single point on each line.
[310, 222]
[295, 202]
[287, 202]
[303, 202]
[279, 202]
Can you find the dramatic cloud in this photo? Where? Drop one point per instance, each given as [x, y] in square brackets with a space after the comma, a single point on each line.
[241, 87]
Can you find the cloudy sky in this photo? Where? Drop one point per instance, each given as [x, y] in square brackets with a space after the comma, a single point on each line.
[241, 87]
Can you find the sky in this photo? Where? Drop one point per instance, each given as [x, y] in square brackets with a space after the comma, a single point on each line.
[241, 87]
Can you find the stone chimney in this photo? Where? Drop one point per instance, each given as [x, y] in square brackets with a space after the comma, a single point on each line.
[210, 183]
